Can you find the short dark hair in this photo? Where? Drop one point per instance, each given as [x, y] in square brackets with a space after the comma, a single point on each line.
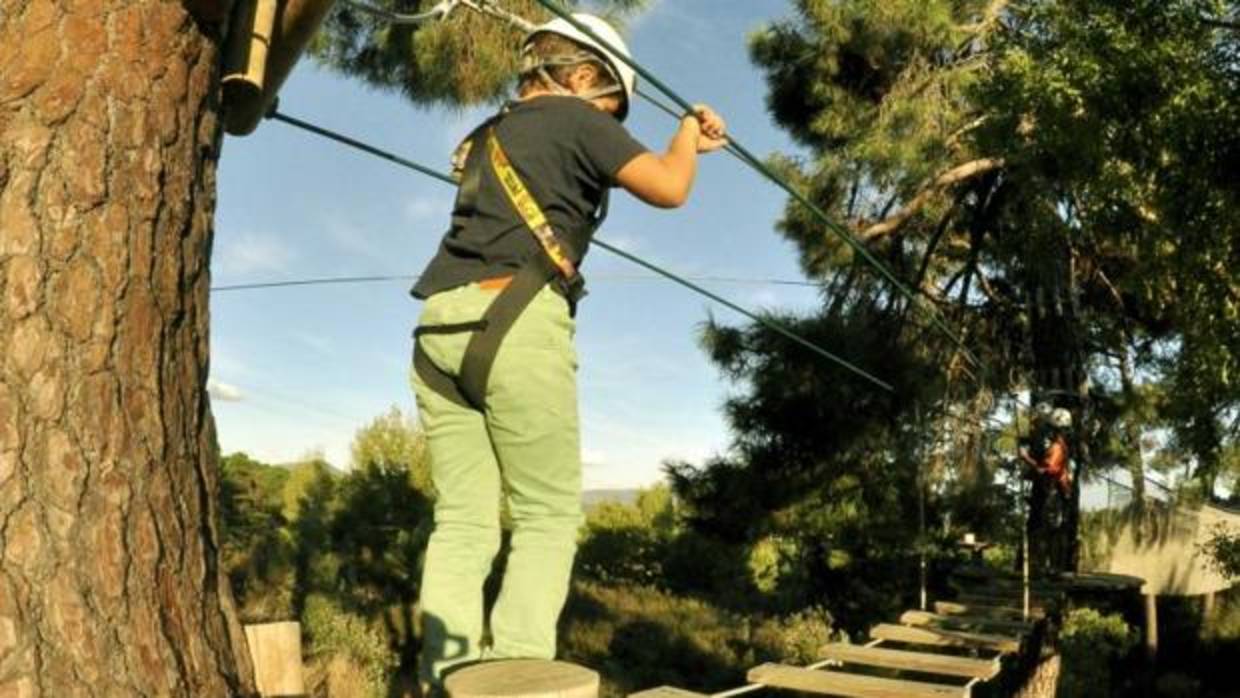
[547, 45]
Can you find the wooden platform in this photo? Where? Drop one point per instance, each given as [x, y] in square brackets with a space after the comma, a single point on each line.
[944, 638]
[522, 678]
[1013, 600]
[956, 608]
[904, 660]
[926, 655]
[667, 692]
[844, 684]
[961, 622]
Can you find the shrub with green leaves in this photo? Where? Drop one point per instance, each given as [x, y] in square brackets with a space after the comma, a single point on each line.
[333, 632]
[1091, 643]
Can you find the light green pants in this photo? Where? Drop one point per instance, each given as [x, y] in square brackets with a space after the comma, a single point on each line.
[525, 449]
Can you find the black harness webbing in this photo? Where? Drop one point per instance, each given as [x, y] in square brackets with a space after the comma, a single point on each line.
[468, 388]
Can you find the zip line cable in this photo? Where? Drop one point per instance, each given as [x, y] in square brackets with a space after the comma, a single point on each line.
[274, 114]
[311, 282]
[442, 10]
[747, 157]
[766, 322]
[328, 280]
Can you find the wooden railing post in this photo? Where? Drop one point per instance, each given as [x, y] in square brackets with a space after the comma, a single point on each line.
[276, 651]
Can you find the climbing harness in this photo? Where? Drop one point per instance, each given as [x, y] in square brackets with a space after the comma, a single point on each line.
[468, 388]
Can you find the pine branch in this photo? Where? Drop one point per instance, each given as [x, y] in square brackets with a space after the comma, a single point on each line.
[991, 16]
[1220, 23]
[953, 176]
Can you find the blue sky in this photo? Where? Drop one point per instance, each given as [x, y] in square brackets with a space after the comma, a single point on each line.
[299, 370]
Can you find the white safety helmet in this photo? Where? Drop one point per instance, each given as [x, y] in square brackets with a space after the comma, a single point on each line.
[621, 71]
[1061, 418]
[1042, 409]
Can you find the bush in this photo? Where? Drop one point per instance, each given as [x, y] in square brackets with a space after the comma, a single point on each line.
[796, 638]
[641, 637]
[1091, 643]
[1223, 550]
[334, 635]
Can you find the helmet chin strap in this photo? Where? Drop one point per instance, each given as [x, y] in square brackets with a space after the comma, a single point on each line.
[532, 64]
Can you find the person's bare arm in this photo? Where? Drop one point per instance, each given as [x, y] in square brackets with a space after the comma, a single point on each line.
[664, 180]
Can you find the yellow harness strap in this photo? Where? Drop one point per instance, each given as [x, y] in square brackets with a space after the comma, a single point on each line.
[528, 208]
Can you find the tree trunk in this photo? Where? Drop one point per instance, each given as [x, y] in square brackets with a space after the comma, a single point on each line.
[1132, 430]
[109, 583]
[1060, 372]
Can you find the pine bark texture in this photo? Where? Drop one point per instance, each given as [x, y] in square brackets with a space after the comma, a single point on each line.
[1044, 683]
[109, 584]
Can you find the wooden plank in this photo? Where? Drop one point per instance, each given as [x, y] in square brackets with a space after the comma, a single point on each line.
[925, 662]
[667, 692]
[952, 608]
[1010, 584]
[522, 678]
[1014, 600]
[275, 649]
[923, 618]
[838, 683]
[944, 638]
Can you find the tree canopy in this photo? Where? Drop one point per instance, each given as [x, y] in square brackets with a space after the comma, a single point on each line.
[1052, 176]
[466, 58]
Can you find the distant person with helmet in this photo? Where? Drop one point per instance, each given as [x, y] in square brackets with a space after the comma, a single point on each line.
[494, 363]
[1046, 455]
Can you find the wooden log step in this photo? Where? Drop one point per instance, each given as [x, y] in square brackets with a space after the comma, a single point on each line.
[924, 618]
[1016, 600]
[945, 638]
[667, 692]
[952, 608]
[838, 683]
[924, 662]
[1008, 585]
[522, 678]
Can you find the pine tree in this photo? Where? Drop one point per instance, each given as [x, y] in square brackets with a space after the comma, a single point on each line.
[1050, 176]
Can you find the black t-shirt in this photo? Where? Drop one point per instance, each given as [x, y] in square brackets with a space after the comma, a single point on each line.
[567, 153]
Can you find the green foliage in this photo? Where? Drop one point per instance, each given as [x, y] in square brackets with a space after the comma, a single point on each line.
[798, 637]
[467, 58]
[1223, 549]
[1091, 643]
[1040, 171]
[393, 443]
[257, 550]
[342, 552]
[330, 630]
[639, 637]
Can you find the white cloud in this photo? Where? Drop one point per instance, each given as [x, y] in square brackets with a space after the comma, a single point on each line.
[247, 253]
[224, 391]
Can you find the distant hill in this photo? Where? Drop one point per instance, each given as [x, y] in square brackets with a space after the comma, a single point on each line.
[592, 498]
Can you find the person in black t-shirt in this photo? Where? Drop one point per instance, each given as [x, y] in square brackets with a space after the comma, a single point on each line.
[495, 367]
